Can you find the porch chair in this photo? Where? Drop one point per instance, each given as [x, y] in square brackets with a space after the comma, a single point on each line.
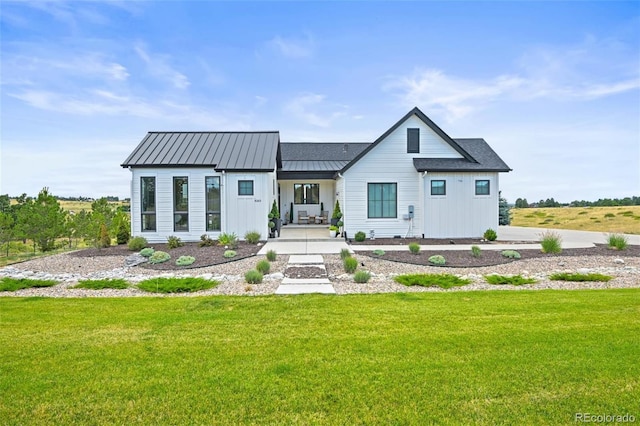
[302, 215]
[323, 218]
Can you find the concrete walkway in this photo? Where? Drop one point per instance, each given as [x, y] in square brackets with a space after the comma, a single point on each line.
[306, 285]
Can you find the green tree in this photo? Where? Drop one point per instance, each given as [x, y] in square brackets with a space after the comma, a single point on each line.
[7, 229]
[103, 212]
[42, 220]
[504, 211]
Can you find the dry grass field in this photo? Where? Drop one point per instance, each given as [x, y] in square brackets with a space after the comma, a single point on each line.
[77, 206]
[622, 219]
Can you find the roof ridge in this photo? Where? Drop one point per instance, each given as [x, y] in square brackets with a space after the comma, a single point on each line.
[214, 131]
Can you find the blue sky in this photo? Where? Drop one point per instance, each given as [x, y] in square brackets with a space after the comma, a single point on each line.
[553, 87]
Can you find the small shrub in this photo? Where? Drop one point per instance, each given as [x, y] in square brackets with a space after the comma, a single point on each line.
[229, 254]
[13, 284]
[431, 280]
[116, 283]
[271, 255]
[551, 242]
[344, 253]
[159, 257]
[105, 239]
[253, 277]
[176, 285]
[206, 241]
[137, 243]
[124, 233]
[476, 251]
[565, 276]
[228, 240]
[362, 277]
[147, 252]
[350, 264]
[378, 252]
[263, 267]
[185, 260]
[490, 235]
[437, 259]
[252, 237]
[609, 215]
[617, 241]
[512, 280]
[360, 236]
[174, 242]
[511, 254]
[414, 248]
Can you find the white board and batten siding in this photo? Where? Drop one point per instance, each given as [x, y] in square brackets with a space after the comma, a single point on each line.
[238, 214]
[460, 213]
[389, 162]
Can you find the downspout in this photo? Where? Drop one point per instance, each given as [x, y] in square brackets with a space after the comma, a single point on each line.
[344, 202]
[223, 196]
[423, 206]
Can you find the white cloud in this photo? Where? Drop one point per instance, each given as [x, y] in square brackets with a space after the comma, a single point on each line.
[590, 70]
[312, 109]
[291, 47]
[158, 65]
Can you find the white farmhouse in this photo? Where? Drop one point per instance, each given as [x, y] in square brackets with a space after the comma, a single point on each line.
[414, 180]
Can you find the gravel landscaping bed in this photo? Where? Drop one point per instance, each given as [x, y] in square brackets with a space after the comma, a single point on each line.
[68, 268]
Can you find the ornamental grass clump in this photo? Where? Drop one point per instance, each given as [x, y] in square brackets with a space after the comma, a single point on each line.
[114, 283]
[378, 252]
[263, 267]
[147, 252]
[252, 237]
[617, 241]
[344, 253]
[414, 248]
[185, 260]
[350, 265]
[437, 260]
[508, 279]
[511, 254]
[228, 240]
[159, 257]
[271, 255]
[431, 280]
[551, 242]
[253, 277]
[476, 251]
[176, 285]
[362, 277]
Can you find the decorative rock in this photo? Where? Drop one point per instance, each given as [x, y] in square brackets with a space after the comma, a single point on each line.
[619, 261]
[562, 263]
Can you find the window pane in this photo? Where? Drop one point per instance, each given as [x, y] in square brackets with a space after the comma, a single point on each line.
[212, 184]
[148, 222]
[438, 187]
[298, 193]
[245, 187]
[181, 194]
[382, 200]
[313, 194]
[148, 194]
[482, 187]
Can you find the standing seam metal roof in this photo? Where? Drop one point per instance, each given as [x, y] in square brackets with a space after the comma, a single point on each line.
[256, 151]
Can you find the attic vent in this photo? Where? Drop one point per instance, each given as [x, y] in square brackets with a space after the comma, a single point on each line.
[345, 148]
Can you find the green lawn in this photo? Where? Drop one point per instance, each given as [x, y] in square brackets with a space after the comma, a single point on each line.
[526, 357]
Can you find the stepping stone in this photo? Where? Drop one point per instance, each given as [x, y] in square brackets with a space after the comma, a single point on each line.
[306, 259]
[305, 289]
[305, 281]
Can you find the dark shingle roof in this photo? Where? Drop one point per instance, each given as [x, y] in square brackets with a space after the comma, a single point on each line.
[318, 160]
[486, 159]
[255, 151]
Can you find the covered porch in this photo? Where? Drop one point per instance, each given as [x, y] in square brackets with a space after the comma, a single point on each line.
[307, 202]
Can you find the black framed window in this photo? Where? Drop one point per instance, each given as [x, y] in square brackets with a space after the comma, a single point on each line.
[180, 204]
[438, 187]
[482, 187]
[212, 195]
[382, 200]
[306, 193]
[413, 141]
[245, 187]
[148, 203]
